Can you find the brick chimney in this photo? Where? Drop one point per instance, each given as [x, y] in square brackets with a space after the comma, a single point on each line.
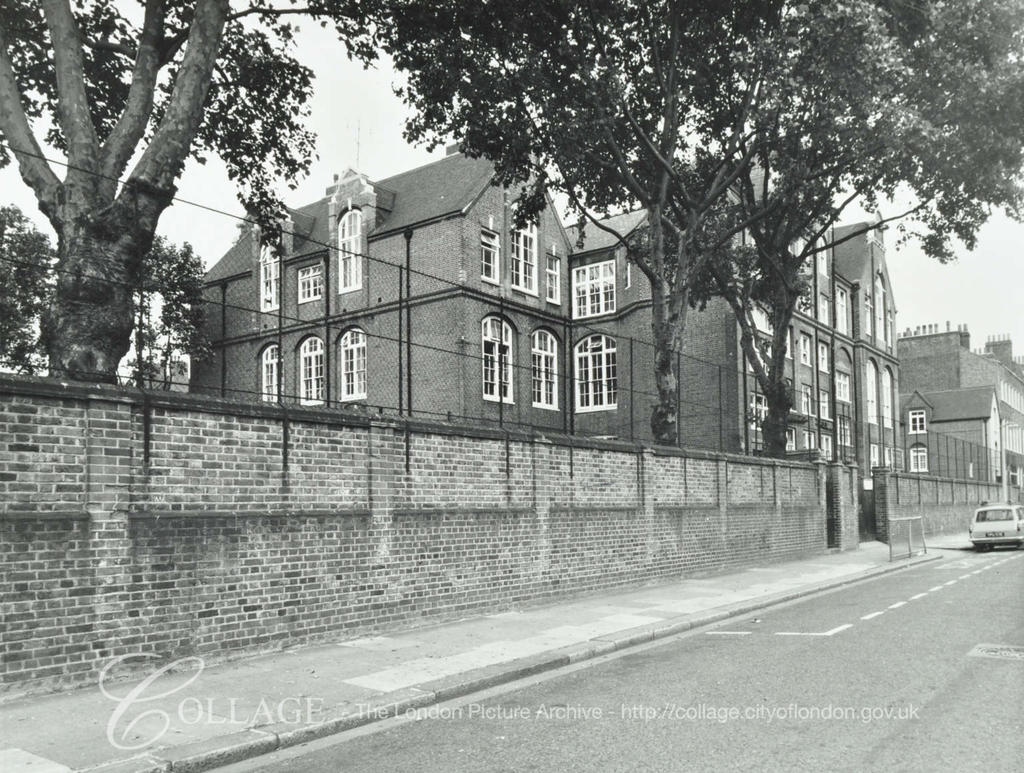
[1001, 347]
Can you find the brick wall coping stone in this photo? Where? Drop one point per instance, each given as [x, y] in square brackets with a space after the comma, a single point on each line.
[927, 477]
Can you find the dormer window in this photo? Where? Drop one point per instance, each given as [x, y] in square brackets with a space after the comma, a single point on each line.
[270, 278]
[350, 275]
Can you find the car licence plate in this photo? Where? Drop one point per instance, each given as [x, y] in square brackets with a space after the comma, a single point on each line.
[995, 534]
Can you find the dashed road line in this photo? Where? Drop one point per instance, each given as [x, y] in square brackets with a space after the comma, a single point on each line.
[918, 596]
[897, 605]
[873, 614]
[951, 582]
[964, 576]
[834, 631]
[727, 633]
[937, 587]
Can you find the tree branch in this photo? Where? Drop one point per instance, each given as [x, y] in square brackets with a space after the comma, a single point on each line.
[14, 126]
[162, 160]
[131, 125]
[72, 102]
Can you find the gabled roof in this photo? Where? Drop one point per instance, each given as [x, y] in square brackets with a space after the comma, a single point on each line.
[599, 239]
[443, 187]
[440, 188]
[957, 404]
[236, 260]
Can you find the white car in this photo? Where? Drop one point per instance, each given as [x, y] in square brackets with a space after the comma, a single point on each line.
[997, 525]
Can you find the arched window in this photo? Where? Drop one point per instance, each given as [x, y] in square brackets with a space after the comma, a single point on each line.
[353, 365]
[596, 380]
[887, 398]
[350, 245]
[311, 371]
[871, 391]
[545, 370]
[270, 374]
[496, 346]
[880, 314]
[270, 278]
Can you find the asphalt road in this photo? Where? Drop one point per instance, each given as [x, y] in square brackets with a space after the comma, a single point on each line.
[883, 675]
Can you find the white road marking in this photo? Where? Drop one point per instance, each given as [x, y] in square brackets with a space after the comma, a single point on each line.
[897, 605]
[873, 614]
[951, 582]
[977, 571]
[727, 633]
[937, 587]
[834, 631]
[918, 596]
[965, 576]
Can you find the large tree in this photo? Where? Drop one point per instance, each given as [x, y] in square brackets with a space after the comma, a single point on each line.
[925, 98]
[167, 303]
[608, 102]
[127, 97]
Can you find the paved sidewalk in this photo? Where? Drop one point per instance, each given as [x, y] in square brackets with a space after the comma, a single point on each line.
[197, 718]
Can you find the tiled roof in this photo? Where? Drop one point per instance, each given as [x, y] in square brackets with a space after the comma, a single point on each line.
[235, 261]
[958, 404]
[598, 239]
[440, 188]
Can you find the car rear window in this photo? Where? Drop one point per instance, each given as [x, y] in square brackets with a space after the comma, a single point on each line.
[994, 515]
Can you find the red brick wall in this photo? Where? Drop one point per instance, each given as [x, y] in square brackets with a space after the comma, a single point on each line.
[945, 504]
[179, 524]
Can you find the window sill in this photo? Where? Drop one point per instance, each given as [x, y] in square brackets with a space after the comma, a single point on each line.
[597, 408]
[495, 399]
[310, 300]
[525, 291]
[488, 280]
[351, 399]
[346, 290]
[540, 407]
[592, 316]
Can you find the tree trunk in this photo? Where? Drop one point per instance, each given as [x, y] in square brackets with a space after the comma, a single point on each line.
[87, 329]
[667, 319]
[776, 421]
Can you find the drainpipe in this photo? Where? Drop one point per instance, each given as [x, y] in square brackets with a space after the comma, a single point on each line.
[408, 318]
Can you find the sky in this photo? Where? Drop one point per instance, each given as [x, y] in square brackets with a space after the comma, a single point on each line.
[359, 122]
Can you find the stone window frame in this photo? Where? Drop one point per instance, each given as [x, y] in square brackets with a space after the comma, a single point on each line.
[312, 361]
[596, 354]
[544, 370]
[350, 257]
[496, 338]
[593, 289]
[352, 362]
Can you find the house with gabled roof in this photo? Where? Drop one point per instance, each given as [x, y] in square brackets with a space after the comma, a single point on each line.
[953, 433]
